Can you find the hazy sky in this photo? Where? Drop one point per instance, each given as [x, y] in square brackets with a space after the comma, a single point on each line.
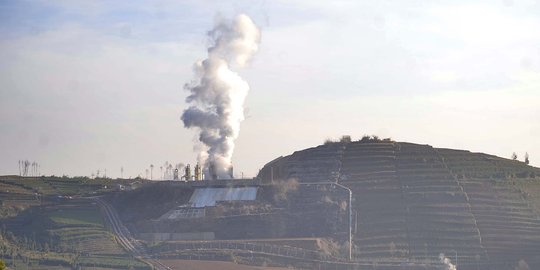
[88, 85]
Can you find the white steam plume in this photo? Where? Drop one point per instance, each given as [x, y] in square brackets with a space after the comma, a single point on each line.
[446, 263]
[217, 94]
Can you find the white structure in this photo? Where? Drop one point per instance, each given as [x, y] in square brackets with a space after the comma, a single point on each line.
[202, 197]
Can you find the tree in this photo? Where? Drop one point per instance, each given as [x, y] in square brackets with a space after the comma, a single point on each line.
[25, 164]
[514, 156]
[161, 171]
[166, 170]
[2, 265]
[526, 158]
[345, 139]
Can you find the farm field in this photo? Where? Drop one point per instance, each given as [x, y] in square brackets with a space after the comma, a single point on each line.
[48, 230]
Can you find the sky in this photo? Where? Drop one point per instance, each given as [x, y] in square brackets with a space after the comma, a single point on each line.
[98, 85]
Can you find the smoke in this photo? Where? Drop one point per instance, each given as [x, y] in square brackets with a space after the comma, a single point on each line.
[522, 265]
[217, 94]
[446, 262]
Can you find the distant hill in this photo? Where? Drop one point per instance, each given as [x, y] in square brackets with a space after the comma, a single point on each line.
[415, 201]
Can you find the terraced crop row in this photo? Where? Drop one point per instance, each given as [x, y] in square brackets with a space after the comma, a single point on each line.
[414, 202]
[319, 164]
[369, 170]
[509, 227]
[439, 213]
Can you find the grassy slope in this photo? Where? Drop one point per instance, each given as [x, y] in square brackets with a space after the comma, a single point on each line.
[41, 230]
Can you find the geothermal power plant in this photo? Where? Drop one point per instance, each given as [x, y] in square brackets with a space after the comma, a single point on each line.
[366, 204]
[198, 175]
[349, 205]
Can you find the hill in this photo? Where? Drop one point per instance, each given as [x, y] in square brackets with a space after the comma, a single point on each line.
[415, 201]
[47, 223]
[410, 203]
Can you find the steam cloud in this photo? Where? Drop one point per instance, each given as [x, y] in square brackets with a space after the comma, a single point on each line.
[446, 262]
[217, 94]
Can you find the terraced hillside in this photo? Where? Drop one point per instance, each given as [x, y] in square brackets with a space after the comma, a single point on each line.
[413, 202]
[508, 223]
[44, 227]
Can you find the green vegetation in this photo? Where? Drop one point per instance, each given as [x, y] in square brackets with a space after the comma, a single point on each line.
[133, 205]
[46, 224]
[90, 217]
[19, 193]
[365, 139]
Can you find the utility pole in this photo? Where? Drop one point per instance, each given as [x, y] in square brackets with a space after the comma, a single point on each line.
[350, 217]
[455, 257]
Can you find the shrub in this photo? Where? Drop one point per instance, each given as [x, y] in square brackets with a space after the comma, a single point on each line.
[374, 139]
[328, 141]
[283, 187]
[514, 156]
[345, 139]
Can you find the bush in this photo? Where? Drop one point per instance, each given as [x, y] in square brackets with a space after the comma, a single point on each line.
[328, 141]
[374, 139]
[345, 139]
[283, 187]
